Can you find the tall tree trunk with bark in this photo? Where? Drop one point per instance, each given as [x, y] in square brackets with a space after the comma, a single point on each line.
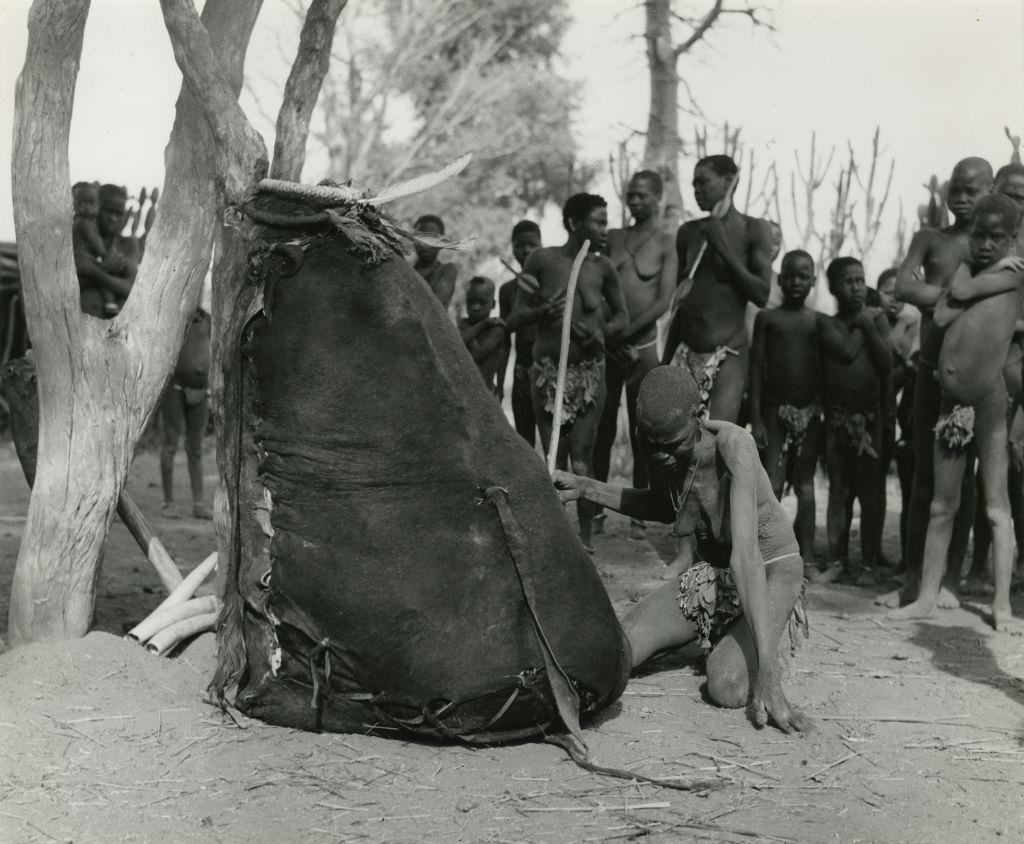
[664, 145]
[99, 381]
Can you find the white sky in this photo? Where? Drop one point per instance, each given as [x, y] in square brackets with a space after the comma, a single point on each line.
[941, 77]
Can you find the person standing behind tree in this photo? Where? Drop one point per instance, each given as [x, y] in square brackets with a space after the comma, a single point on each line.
[438, 275]
[120, 262]
[645, 258]
[185, 408]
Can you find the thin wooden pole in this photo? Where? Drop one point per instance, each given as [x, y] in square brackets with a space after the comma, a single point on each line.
[563, 356]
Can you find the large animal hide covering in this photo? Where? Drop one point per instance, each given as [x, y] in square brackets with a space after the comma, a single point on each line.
[403, 563]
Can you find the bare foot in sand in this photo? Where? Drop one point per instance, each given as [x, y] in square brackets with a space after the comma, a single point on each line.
[917, 609]
[637, 530]
[947, 599]
[829, 575]
[975, 586]
[893, 600]
[1004, 622]
[675, 569]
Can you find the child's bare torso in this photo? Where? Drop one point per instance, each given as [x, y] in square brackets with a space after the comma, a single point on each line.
[792, 357]
[975, 346]
[853, 386]
[945, 253]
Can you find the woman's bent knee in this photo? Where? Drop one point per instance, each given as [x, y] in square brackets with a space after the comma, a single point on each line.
[728, 687]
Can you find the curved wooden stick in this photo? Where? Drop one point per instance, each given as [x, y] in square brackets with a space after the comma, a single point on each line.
[563, 356]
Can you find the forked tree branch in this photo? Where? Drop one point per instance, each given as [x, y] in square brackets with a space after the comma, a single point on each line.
[241, 155]
[303, 87]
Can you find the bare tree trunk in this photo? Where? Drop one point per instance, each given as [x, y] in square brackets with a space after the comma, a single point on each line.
[99, 381]
[663, 143]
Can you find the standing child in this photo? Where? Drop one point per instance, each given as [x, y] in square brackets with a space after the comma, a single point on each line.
[981, 311]
[856, 361]
[482, 333]
[85, 235]
[904, 323]
[438, 275]
[785, 390]
[525, 238]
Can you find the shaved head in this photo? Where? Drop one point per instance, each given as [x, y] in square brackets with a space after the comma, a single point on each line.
[973, 168]
[668, 399]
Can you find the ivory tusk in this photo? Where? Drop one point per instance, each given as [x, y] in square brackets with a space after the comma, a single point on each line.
[165, 641]
[165, 617]
[187, 588]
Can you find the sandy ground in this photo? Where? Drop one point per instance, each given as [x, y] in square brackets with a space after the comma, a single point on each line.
[920, 735]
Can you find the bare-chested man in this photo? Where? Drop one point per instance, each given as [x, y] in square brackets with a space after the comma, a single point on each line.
[585, 217]
[743, 588]
[645, 259]
[981, 309]
[708, 333]
[938, 253]
[120, 261]
[438, 275]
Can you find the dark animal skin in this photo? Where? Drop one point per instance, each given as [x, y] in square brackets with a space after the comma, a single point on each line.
[402, 553]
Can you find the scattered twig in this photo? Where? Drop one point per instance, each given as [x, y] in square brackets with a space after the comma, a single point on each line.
[835, 764]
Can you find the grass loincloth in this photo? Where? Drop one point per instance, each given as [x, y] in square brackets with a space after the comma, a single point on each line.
[795, 421]
[583, 382]
[954, 432]
[856, 426]
[708, 598]
[703, 366]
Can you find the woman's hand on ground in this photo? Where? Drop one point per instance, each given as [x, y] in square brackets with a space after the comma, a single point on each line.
[769, 703]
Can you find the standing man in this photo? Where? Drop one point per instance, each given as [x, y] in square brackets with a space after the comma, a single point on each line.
[120, 262]
[645, 259]
[585, 217]
[925, 274]
[708, 332]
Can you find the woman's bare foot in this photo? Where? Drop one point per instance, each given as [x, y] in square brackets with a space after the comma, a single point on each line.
[975, 586]
[947, 599]
[1004, 622]
[918, 609]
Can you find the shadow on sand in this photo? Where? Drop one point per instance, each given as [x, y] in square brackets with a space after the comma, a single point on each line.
[962, 652]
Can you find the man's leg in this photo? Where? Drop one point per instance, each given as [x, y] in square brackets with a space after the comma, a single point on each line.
[775, 465]
[927, 400]
[990, 432]
[732, 665]
[522, 406]
[977, 580]
[196, 418]
[172, 423]
[888, 443]
[581, 436]
[871, 506]
[837, 462]
[542, 416]
[730, 382]
[607, 427]
[948, 474]
[648, 360]
[804, 464]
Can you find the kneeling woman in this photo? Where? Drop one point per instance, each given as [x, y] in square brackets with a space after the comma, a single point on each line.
[745, 587]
